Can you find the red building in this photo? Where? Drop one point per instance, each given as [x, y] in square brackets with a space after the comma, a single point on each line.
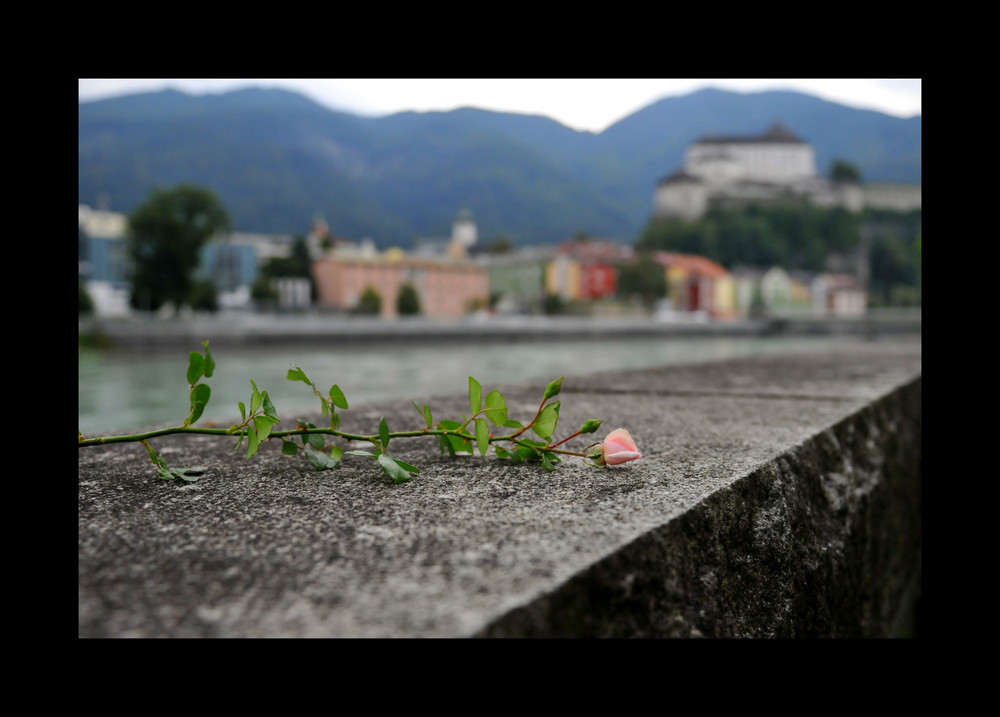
[587, 268]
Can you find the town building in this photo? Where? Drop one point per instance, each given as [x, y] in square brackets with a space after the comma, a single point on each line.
[446, 289]
[231, 262]
[105, 265]
[448, 284]
[463, 239]
[517, 279]
[697, 284]
[586, 268]
[839, 295]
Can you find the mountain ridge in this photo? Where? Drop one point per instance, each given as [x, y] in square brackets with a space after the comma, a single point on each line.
[277, 158]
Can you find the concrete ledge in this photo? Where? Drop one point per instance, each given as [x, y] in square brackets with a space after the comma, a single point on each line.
[777, 497]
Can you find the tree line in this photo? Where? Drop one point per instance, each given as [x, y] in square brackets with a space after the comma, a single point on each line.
[803, 237]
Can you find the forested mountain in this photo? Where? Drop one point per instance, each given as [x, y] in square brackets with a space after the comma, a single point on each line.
[276, 159]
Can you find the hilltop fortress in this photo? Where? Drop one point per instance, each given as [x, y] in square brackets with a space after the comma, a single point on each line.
[775, 167]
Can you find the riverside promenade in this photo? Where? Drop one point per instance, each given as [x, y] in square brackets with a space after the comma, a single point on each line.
[777, 497]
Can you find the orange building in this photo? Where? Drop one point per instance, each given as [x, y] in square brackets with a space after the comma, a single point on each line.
[696, 283]
[445, 288]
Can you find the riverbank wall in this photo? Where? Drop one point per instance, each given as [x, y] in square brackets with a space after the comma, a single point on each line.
[248, 329]
[777, 497]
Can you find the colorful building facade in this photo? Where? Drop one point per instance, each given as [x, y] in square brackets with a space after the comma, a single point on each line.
[696, 283]
[445, 289]
[586, 269]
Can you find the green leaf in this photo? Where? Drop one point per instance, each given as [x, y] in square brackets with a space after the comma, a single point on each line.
[264, 426]
[338, 397]
[253, 440]
[297, 374]
[446, 445]
[164, 473]
[196, 367]
[209, 361]
[190, 475]
[456, 443]
[427, 416]
[316, 440]
[553, 388]
[393, 469]
[383, 432]
[321, 460]
[255, 398]
[475, 395]
[243, 410]
[269, 409]
[482, 436]
[496, 408]
[529, 450]
[200, 393]
[289, 448]
[407, 466]
[545, 424]
[513, 424]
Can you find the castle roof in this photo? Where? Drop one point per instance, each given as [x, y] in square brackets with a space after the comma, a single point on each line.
[776, 134]
[680, 176]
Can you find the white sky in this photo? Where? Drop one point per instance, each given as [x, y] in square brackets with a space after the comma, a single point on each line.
[583, 104]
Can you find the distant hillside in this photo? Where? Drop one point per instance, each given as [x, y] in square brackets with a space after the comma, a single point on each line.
[276, 159]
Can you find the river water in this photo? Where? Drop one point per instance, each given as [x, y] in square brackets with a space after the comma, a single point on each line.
[120, 390]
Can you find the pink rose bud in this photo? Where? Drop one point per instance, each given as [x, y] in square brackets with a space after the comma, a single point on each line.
[619, 448]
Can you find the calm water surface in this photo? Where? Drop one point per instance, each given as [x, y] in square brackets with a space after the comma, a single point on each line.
[119, 391]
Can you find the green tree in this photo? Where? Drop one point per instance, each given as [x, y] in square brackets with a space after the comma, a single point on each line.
[166, 234]
[263, 291]
[553, 304]
[204, 296]
[370, 302]
[85, 303]
[842, 171]
[643, 278]
[500, 245]
[407, 303]
[792, 236]
[297, 265]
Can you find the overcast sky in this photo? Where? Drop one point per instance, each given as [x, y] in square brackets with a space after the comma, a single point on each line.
[583, 104]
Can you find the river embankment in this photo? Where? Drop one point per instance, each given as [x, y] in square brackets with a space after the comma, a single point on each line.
[251, 329]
